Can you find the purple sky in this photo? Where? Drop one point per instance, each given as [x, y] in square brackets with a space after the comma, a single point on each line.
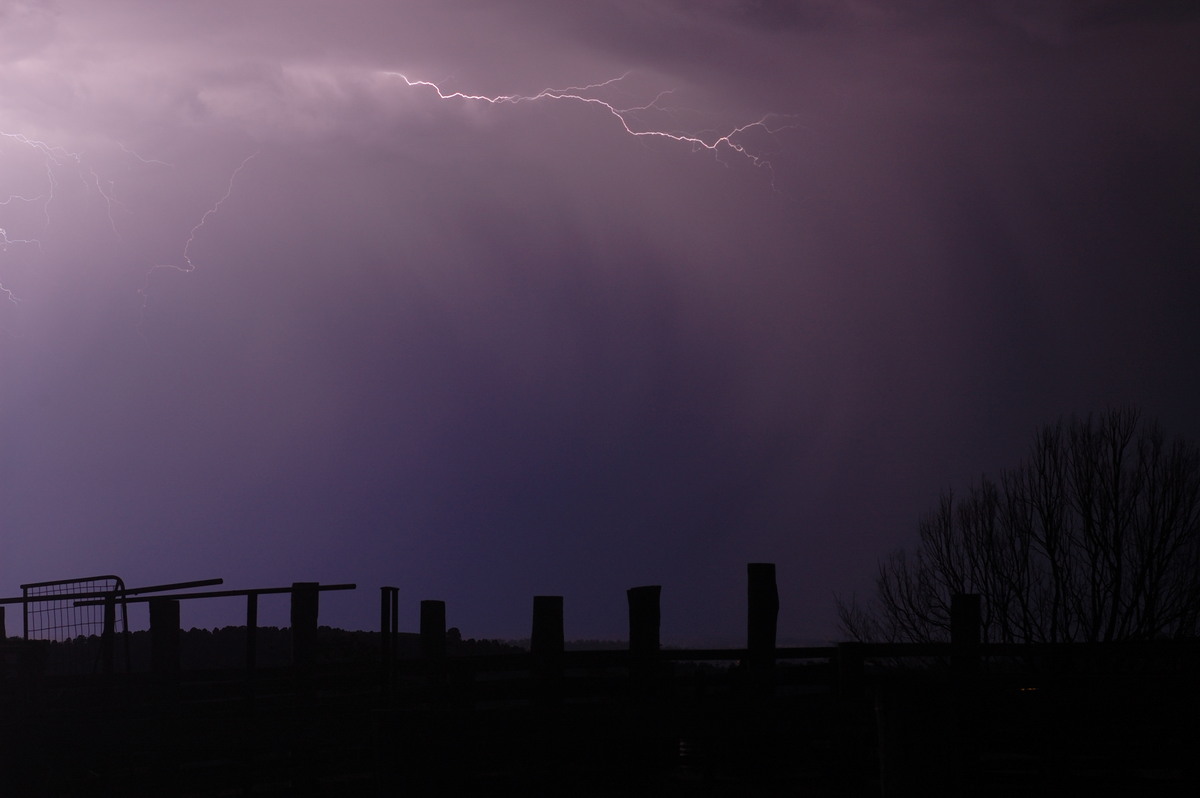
[487, 351]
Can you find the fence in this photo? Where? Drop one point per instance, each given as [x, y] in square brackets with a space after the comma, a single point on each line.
[51, 615]
[900, 719]
[83, 616]
[51, 612]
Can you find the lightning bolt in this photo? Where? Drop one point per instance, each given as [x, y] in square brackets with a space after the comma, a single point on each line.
[56, 159]
[5, 243]
[742, 141]
[188, 266]
[730, 141]
[51, 156]
[187, 246]
[147, 161]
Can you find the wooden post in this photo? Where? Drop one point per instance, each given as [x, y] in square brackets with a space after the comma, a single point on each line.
[164, 636]
[3, 633]
[109, 635]
[850, 717]
[388, 633]
[433, 645]
[251, 651]
[763, 615]
[251, 633]
[300, 735]
[644, 620]
[965, 632]
[304, 623]
[546, 646]
[644, 625]
[433, 630]
[850, 671]
[385, 627]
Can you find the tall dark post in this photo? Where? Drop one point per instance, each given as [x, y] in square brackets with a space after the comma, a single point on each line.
[164, 636]
[389, 630]
[966, 630]
[433, 630]
[304, 623]
[644, 620]
[433, 645]
[300, 735]
[547, 638]
[762, 617]
[109, 636]
[966, 627]
[546, 646]
[251, 634]
[385, 626]
[251, 650]
[3, 632]
[644, 624]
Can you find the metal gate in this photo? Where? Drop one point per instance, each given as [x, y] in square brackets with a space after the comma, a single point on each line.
[85, 634]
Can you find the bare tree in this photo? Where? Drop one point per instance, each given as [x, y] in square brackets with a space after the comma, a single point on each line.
[1096, 537]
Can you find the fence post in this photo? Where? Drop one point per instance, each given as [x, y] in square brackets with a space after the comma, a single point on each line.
[251, 634]
[433, 630]
[546, 646]
[965, 633]
[965, 665]
[762, 617]
[388, 632]
[433, 642]
[109, 635]
[304, 623]
[850, 721]
[850, 670]
[301, 736]
[164, 637]
[644, 624]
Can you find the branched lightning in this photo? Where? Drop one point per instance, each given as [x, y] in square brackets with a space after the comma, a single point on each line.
[188, 266]
[742, 141]
[216, 206]
[55, 158]
[147, 161]
[51, 156]
[5, 243]
[715, 143]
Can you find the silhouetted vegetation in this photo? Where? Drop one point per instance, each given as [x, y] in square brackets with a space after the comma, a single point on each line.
[225, 648]
[1095, 537]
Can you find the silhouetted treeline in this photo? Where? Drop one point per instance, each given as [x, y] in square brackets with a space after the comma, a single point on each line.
[225, 648]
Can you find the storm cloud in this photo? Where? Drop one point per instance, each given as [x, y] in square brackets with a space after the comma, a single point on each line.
[277, 315]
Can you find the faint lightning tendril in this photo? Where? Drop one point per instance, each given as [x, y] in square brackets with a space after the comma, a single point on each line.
[51, 156]
[5, 243]
[57, 162]
[54, 158]
[147, 161]
[716, 143]
[188, 266]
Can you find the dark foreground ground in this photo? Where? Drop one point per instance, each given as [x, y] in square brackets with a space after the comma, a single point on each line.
[496, 725]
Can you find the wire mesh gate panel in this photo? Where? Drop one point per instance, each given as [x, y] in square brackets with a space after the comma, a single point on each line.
[76, 632]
